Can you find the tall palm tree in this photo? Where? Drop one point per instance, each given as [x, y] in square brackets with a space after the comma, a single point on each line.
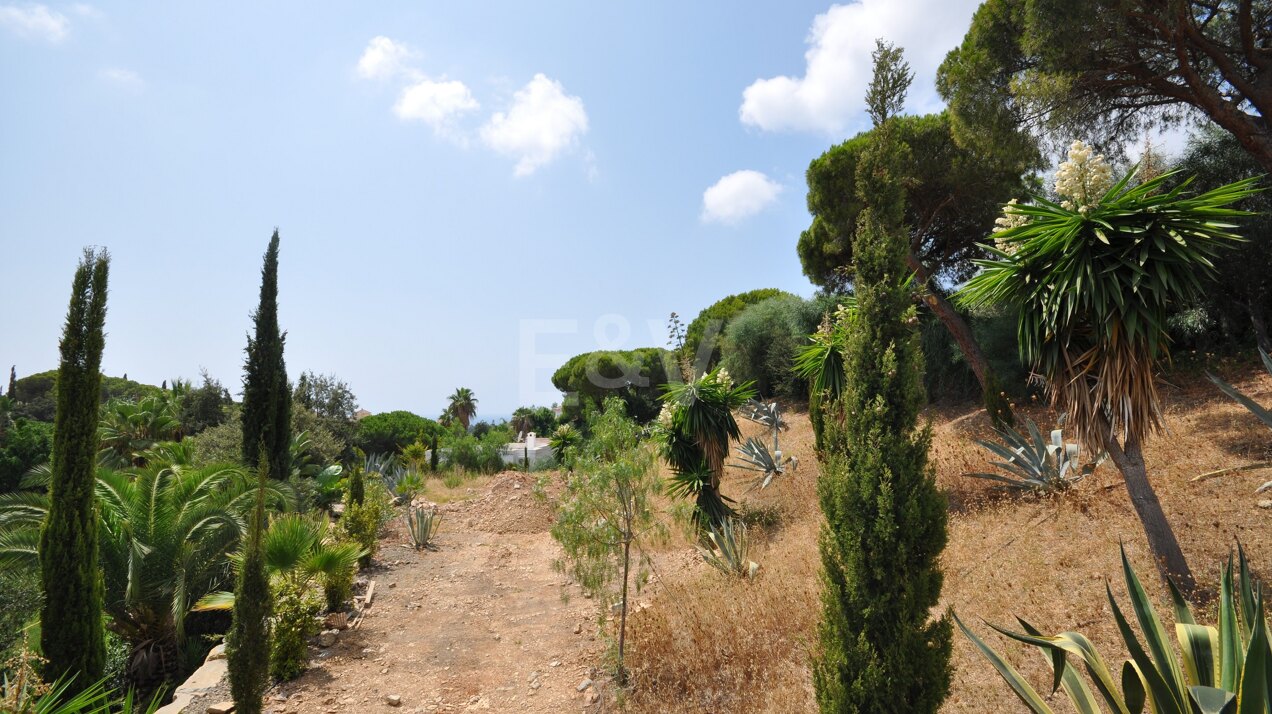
[1092, 277]
[522, 421]
[167, 532]
[463, 406]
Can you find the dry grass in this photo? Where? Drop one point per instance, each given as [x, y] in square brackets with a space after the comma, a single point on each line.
[709, 644]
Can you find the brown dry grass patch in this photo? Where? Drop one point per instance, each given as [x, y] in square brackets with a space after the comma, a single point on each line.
[709, 644]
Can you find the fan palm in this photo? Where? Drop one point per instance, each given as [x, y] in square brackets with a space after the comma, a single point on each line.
[129, 428]
[1092, 284]
[300, 548]
[463, 406]
[167, 533]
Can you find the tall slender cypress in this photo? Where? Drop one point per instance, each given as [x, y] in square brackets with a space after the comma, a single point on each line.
[13, 383]
[266, 397]
[247, 643]
[71, 634]
[880, 651]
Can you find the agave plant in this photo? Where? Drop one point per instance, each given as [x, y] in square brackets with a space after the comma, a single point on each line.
[423, 523]
[729, 549]
[1033, 463]
[1224, 669]
[19, 696]
[755, 454]
[167, 534]
[386, 466]
[756, 457]
[1254, 408]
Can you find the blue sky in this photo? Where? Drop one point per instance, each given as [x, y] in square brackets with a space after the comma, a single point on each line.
[467, 194]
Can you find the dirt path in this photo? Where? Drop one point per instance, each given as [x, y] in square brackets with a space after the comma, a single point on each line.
[477, 625]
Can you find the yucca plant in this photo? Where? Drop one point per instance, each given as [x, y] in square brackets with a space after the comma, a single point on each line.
[1254, 408]
[1033, 463]
[694, 431]
[423, 524]
[1225, 669]
[1093, 278]
[729, 549]
[821, 364]
[564, 441]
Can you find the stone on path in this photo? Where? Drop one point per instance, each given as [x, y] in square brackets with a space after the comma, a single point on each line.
[393, 700]
[222, 708]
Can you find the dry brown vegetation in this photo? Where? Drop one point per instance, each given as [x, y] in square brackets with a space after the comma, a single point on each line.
[709, 644]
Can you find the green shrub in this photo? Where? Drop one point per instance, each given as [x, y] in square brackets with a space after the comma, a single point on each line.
[635, 376]
[711, 324]
[361, 522]
[484, 455]
[20, 599]
[220, 444]
[337, 589]
[296, 606]
[24, 444]
[761, 341]
[392, 431]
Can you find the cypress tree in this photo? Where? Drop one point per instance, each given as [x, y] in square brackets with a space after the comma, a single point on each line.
[13, 383]
[885, 520]
[247, 643]
[266, 396]
[432, 454]
[71, 634]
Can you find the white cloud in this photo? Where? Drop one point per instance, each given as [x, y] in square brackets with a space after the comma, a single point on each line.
[542, 123]
[829, 98]
[35, 21]
[383, 58]
[435, 103]
[123, 78]
[737, 196]
[86, 10]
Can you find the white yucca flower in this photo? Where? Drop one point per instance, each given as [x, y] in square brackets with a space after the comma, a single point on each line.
[1084, 179]
[1006, 222]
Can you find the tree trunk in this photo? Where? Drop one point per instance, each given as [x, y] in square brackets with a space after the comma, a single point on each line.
[622, 623]
[1161, 538]
[966, 341]
[1260, 325]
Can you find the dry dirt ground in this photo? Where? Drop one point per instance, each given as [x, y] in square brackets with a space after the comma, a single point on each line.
[477, 625]
[473, 625]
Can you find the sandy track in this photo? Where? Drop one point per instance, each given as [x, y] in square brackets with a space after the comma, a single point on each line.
[477, 625]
